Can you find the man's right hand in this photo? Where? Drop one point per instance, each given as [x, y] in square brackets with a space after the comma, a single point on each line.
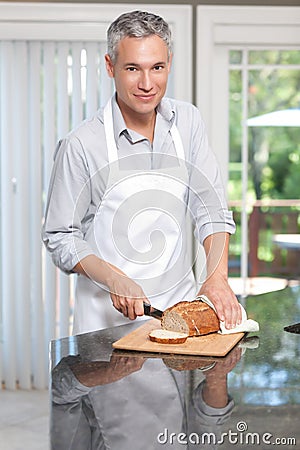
[127, 296]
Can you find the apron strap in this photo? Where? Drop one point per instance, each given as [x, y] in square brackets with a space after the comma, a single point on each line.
[178, 143]
[112, 151]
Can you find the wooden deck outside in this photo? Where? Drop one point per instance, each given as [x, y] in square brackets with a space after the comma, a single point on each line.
[266, 219]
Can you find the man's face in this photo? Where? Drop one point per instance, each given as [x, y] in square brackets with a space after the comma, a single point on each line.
[140, 73]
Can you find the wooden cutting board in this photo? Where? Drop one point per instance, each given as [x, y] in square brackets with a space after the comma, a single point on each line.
[214, 344]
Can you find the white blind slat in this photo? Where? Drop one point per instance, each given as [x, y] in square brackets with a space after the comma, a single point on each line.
[7, 219]
[48, 145]
[49, 104]
[22, 221]
[92, 79]
[39, 371]
[63, 126]
[76, 87]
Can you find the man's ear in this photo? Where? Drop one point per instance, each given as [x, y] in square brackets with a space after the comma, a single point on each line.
[109, 66]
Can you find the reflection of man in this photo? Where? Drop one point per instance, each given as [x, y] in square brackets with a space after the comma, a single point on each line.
[211, 405]
[121, 187]
[123, 412]
[136, 403]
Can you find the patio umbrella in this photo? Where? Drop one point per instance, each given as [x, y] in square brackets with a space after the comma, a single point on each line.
[283, 118]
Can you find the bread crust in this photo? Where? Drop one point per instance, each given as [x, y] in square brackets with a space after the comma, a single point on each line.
[195, 318]
[188, 364]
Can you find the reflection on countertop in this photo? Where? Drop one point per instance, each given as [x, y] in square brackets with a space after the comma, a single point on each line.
[270, 375]
[104, 398]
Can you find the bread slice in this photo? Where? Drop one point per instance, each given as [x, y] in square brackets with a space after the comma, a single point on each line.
[194, 318]
[167, 337]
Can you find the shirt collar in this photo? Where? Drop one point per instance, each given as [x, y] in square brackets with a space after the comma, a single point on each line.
[164, 109]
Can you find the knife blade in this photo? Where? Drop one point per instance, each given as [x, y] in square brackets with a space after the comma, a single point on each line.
[149, 310]
[295, 328]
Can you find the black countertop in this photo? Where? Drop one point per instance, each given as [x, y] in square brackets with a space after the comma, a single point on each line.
[107, 399]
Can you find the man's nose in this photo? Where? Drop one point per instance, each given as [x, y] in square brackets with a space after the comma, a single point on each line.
[145, 82]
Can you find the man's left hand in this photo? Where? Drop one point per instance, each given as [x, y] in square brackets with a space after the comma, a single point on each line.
[218, 291]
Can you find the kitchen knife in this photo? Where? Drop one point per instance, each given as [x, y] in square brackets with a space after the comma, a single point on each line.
[153, 312]
[295, 328]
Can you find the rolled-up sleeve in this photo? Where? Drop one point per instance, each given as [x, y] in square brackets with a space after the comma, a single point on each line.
[211, 415]
[207, 201]
[69, 197]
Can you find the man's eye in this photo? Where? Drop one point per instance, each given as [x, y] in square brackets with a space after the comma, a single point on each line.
[131, 69]
[158, 67]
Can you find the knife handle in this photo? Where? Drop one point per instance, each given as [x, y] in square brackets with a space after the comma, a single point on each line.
[147, 308]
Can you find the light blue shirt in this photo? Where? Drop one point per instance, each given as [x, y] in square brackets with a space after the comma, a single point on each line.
[80, 174]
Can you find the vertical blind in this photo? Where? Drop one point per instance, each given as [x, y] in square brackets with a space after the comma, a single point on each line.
[46, 89]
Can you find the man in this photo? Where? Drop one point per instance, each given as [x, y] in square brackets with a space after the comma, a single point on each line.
[122, 185]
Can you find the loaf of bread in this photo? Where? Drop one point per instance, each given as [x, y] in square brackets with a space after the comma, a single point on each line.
[167, 337]
[188, 364]
[193, 318]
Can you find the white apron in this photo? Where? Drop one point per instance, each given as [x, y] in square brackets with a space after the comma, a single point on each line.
[140, 227]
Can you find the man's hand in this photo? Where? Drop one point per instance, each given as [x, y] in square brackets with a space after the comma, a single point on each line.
[218, 291]
[126, 295]
[95, 373]
[224, 365]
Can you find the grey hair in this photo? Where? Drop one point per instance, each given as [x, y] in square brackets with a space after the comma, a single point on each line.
[136, 24]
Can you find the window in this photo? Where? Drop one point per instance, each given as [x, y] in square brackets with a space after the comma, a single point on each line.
[238, 46]
[266, 84]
